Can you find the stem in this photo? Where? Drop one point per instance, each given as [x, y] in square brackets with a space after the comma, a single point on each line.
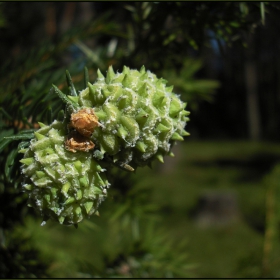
[73, 106]
[269, 230]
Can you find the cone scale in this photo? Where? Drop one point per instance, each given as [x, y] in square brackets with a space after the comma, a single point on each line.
[127, 119]
[140, 117]
[61, 185]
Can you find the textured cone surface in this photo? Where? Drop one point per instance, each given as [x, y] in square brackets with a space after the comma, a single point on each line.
[62, 185]
[140, 117]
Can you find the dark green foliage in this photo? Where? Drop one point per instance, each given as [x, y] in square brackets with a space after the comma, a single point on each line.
[13, 205]
[25, 100]
[171, 29]
[153, 255]
[193, 90]
[19, 260]
[272, 224]
[160, 35]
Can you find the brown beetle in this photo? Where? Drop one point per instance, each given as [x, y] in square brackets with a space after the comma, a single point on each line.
[84, 121]
[77, 142]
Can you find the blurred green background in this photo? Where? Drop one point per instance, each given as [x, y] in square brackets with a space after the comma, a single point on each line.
[211, 211]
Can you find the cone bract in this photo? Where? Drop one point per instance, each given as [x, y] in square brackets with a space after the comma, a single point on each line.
[140, 116]
[62, 185]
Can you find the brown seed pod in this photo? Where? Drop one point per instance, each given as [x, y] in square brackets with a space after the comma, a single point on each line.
[77, 142]
[84, 121]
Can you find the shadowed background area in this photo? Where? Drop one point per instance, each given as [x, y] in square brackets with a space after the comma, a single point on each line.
[211, 211]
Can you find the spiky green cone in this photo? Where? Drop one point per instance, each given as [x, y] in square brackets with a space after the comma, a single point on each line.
[140, 117]
[62, 185]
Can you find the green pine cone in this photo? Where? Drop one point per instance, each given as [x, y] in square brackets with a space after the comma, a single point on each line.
[63, 185]
[139, 117]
